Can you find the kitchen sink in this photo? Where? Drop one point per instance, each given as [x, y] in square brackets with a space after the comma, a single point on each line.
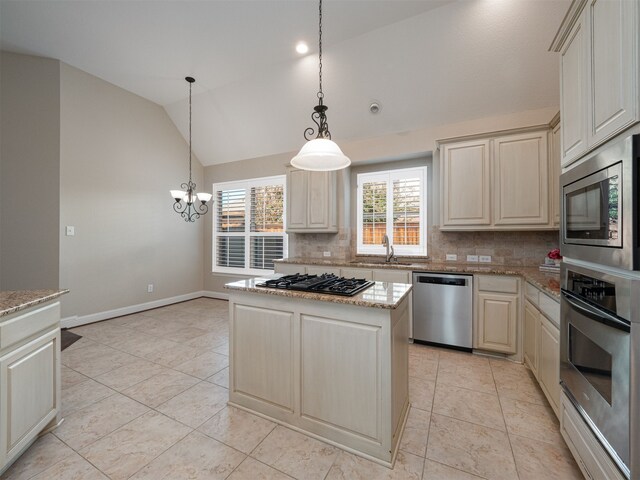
[379, 262]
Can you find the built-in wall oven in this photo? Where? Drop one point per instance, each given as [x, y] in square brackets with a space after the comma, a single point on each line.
[596, 369]
[600, 209]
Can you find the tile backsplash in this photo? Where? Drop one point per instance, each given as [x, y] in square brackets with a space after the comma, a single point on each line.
[505, 248]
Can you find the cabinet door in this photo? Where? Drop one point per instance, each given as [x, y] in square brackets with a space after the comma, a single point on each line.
[497, 322]
[392, 276]
[296, 199]
[549, 362]
[612, 83]
[573, 93]
[466, 183]
[520, 165]
[29, 392]
[554, 175]
[531, 328]
[319, 185]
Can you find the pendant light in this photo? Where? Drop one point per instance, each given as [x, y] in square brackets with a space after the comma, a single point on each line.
[320, 153]
[186, 200]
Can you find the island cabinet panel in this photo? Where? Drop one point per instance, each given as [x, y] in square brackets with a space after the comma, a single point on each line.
[263, 355]
[29, 386]
[340, 380]
[336, 371]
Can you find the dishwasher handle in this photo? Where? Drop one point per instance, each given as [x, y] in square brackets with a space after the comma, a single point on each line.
[449, 281]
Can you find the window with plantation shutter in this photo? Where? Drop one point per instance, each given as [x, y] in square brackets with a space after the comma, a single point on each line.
[249, 225]
[392, 203]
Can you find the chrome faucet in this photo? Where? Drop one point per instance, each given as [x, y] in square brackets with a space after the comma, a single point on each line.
[385, 242]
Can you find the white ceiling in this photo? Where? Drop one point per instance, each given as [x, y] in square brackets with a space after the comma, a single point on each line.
[427, 62]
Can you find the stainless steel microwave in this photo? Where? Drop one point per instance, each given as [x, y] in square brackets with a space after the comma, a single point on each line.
[600, 209]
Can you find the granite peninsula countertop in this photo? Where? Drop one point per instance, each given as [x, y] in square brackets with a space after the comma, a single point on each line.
[16, 300]
[547, 282]
[380, 295]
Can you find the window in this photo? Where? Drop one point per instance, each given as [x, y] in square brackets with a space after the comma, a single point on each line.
[248, 231]
[393, 203]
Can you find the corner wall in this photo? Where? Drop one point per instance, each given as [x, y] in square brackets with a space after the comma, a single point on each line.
[30, 172]
[119, 156]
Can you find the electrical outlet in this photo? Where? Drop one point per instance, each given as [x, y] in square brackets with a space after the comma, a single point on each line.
[472, 258]
[326, 254]
[150, 288]
[452, 256]
[485, 258]
[70, 231]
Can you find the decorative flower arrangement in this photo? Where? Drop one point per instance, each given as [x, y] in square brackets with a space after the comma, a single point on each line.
[554, 254]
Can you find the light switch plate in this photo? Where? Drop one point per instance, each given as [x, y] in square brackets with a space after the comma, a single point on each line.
[472, 258]
[452, 256]
[485, 258]
[70, 231]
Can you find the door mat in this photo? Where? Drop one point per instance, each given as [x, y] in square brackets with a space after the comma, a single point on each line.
[68, 339]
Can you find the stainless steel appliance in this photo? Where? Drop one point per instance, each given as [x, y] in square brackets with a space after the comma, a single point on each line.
[326, 283]
[595, 353]
[442, 309]
[600, 207]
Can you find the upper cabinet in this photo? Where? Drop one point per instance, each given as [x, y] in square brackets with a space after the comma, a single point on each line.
[312, 199]
[497, 182]
[599, 48]
[466, 168]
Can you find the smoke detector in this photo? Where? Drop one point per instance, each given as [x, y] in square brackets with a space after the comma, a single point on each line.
[375, 107]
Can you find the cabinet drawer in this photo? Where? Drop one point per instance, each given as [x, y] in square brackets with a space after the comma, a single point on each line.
[392, 276]
[531, 293]
[551, 308]
[590, 456]
[357, 273]
[21, 327]
[497, 283]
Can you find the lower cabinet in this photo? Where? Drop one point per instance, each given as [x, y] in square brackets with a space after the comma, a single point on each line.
[29, 393]
[496, 313]
[542, 345]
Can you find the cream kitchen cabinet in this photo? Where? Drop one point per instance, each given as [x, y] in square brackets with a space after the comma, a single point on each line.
[542, 342]
[554, 173]
[521, 179]
[312, 199]
[29, 377]
[599, 81]
[466, 185]
[496, 182]
[496, 305]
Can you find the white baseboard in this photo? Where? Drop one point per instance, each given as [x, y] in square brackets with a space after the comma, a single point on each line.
[76, 321]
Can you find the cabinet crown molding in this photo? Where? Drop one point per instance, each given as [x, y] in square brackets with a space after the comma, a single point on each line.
[493, 133]
[575, 9]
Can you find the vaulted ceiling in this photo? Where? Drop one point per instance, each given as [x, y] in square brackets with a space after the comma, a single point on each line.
[426, 62]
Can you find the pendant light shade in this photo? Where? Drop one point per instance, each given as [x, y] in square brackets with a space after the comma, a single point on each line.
[320, 153]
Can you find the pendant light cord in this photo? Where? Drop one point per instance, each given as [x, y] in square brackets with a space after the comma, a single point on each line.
[320, 94]
[190, 85]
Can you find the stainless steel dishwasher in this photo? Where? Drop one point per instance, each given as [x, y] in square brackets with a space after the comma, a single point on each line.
[443, 309]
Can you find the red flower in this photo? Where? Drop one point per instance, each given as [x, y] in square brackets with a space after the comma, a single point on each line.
[554, 254]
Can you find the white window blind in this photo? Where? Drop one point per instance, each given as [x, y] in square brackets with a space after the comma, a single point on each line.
[249, 225]
[392, 203]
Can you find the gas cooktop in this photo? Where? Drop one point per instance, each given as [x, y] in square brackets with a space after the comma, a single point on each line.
[326, 283]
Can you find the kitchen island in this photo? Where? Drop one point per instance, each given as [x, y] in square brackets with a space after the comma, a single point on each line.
[29, 368]
[333, 367]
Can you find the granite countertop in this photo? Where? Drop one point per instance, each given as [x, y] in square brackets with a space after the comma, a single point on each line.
[547, 282]
[16, 300]
[379, 295]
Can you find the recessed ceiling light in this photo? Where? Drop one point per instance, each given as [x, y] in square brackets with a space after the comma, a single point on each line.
[302, 48]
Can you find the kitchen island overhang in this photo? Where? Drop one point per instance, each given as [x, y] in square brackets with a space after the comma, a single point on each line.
[335, 368]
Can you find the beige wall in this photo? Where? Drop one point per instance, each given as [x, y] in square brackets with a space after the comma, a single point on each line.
[29, 172]
[399, 150]
[120, 155]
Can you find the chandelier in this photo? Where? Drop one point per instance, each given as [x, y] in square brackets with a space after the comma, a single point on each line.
[320, 153]
[186, 200]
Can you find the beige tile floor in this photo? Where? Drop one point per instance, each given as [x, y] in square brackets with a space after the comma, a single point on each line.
[144, 397]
